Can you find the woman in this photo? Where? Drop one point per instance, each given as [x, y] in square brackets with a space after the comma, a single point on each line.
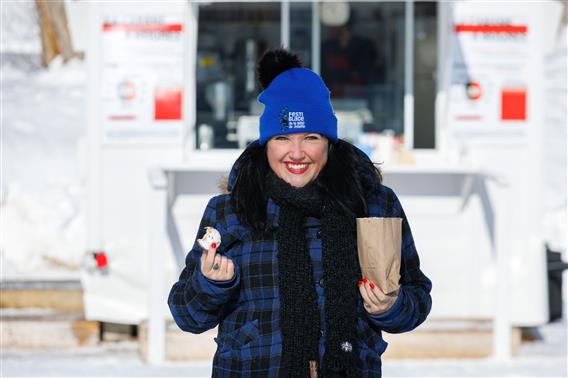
[284, 285]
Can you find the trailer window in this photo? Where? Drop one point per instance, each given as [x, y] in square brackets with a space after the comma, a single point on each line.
[361, 51]
[231, 37]
[363, 60]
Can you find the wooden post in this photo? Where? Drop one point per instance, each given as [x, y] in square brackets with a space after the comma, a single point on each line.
[55, 35]
[48, 40]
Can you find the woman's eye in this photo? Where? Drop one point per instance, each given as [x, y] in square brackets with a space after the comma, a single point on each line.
[280, 138]
[312, 137]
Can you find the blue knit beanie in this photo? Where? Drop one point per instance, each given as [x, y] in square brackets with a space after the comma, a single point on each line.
[297, 101]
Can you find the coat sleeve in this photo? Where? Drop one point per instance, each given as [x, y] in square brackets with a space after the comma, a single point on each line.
[197, 303]
[414, 302]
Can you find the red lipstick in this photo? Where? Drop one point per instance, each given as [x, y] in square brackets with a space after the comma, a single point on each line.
[297, 171]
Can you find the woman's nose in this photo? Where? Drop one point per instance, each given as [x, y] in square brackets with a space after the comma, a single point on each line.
[296, 152]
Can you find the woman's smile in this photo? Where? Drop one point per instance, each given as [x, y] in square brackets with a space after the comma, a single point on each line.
[297, 168]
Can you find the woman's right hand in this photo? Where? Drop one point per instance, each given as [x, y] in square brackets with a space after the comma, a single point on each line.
[216, 267]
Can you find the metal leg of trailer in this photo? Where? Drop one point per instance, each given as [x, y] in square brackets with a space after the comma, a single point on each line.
[158, 211]
[502, 332]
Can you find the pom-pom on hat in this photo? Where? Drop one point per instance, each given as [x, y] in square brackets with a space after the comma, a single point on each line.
[295, 99]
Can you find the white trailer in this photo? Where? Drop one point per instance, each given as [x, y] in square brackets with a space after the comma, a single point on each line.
[141, 162]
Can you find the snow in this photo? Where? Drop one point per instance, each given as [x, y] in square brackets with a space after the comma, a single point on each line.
[20, 29]
[110, 360]
[42, 183]
[545, 357]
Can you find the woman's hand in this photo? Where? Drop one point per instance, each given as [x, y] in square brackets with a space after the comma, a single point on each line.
[216, 267]
[374, 300]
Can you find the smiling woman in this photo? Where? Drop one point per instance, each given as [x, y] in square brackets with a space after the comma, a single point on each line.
[297, 158]
[288, 225]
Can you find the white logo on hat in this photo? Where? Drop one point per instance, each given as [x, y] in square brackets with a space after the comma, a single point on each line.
[296, 120]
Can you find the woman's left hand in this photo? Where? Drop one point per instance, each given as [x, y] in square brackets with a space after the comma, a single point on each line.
[374, 300]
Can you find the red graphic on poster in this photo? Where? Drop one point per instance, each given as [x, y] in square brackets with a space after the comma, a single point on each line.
[142, 28]
[491, 28]
[513, 104]
[126, 90]
[119, 117]
[466, 117]
[473, 90]
[167, 104]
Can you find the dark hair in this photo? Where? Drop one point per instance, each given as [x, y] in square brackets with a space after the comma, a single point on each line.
[346, 178]
[248, 195]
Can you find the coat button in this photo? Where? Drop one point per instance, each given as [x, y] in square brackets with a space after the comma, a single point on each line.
[346, 346]
[321, 332]
[320, 282]
[318, 234]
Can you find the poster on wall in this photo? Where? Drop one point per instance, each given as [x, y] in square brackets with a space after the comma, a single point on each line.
[489, 91]
[142, 75]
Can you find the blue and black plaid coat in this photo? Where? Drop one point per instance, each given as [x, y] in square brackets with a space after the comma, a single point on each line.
[247, 309]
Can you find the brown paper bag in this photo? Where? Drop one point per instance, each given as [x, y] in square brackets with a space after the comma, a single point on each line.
[379, 245]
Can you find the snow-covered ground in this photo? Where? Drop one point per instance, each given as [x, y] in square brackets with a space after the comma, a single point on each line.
[545, 357]
[42, 182]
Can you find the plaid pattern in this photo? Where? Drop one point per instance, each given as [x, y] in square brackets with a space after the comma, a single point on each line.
[247, 309]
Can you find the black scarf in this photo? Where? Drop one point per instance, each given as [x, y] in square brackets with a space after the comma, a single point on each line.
[299, 314]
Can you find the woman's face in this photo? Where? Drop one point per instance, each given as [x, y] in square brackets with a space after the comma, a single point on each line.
[297, 158]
